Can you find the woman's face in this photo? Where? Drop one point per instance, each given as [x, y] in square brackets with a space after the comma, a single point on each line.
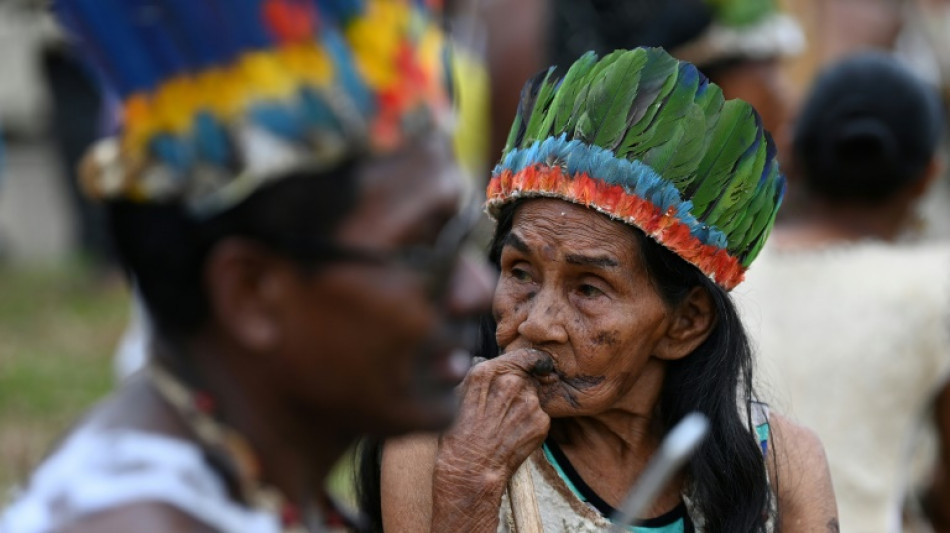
[573, 284]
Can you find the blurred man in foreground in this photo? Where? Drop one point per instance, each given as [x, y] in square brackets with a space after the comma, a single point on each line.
[284, 194]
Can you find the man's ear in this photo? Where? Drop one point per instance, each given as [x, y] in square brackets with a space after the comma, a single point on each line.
[690, 324]
[244, 282]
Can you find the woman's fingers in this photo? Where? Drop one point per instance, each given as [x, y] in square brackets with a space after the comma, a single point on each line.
[500, 418]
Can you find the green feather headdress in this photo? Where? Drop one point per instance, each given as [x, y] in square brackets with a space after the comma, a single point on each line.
[648, 140]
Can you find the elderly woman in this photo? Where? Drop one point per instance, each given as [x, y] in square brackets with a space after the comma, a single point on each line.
[629, 200]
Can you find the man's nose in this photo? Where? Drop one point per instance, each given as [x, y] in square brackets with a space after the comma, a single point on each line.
[472, 285]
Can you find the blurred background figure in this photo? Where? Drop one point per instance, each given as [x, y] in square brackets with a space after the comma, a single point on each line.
[917, 32]
[289, 162]
[849, 312]
[53, 110]
[741, 45]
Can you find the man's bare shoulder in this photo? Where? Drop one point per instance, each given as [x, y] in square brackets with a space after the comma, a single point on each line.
[147, 517]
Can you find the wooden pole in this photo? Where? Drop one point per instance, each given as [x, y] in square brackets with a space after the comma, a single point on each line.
[524, 503]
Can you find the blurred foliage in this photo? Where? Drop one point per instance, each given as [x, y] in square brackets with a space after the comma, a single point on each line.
[59, 325]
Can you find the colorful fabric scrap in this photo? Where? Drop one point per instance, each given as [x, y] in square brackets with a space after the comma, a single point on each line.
[648, 140]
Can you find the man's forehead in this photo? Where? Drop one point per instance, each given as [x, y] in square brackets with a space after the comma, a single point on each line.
[409, 187]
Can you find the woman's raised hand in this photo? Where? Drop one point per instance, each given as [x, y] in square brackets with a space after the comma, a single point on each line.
[500, 423]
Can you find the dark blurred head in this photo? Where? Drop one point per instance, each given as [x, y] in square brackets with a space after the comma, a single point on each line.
[868, 130]
[311, 282]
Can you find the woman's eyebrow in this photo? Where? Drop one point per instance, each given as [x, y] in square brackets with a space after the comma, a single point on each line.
[515, 242]
[588, 260]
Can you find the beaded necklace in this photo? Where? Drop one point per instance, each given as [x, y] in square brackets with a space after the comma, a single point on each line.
[227, 448]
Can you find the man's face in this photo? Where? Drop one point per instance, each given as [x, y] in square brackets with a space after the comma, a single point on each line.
[372, 348]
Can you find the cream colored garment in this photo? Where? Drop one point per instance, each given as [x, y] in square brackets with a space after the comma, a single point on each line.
[852, 341]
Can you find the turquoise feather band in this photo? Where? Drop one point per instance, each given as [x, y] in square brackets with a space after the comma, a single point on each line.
[634, 176]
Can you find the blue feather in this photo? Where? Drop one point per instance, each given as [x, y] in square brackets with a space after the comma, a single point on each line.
[103, 25]
[211, 140]
[247, 15]
[346, 73]
[278, 119]
[150, 24]
[341, 10]
[579, 161]
[172, 151]
[317, 112]
[203, 31]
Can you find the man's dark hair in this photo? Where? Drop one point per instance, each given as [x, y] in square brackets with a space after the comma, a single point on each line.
[164, 247]
[867, 130]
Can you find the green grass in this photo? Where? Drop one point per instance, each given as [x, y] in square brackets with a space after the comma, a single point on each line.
[58, 329]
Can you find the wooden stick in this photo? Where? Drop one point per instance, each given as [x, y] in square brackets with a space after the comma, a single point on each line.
[524, 503]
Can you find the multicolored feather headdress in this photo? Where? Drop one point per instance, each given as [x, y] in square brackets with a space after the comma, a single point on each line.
[648, 140]
[221, 96]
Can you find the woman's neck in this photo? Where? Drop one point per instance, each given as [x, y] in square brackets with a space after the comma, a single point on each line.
[627, 435]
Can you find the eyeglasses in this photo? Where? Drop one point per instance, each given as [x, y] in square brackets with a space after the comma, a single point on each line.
[435, 263]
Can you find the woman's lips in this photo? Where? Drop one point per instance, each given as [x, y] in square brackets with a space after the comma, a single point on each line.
[543, 370]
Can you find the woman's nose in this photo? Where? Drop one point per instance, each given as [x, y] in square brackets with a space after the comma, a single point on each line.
[544, 319]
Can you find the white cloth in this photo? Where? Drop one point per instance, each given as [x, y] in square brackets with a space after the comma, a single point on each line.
[853, 342]
[98, 470]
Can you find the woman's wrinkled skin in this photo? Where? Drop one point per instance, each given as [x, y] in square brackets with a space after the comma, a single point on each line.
[572, 285]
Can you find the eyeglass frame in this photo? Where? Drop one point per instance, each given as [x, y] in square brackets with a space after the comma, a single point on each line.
[437, 263]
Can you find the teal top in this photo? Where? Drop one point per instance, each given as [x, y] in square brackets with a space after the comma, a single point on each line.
[675, 521]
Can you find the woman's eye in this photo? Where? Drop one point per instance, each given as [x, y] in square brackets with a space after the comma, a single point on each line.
[589, 291]
[520, 274]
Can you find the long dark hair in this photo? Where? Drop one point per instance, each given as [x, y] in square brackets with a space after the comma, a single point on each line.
[728, 485]
[727, 481]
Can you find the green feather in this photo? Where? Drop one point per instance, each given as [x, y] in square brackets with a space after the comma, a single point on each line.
[759, 241]
[655, 84]
[771, 198]
[513, 134]
[686, 150]
[660, 155]
[584, 129]
[667, 118]
[580, 108]
[745, 180]
[711, 101]
[562, 107]
[611, 96]
[734, 133]
[749, 218]
[535, 130]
